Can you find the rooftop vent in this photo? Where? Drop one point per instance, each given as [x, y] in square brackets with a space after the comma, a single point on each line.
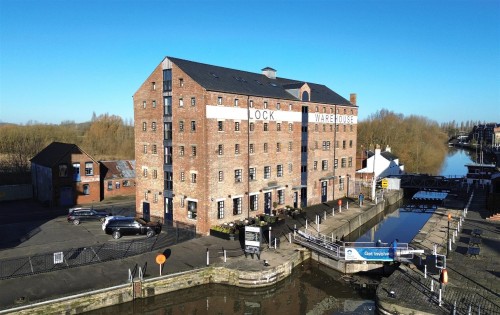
[269, 72]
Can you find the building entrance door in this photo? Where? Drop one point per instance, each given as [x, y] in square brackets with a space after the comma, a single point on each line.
[267, 202]
[145, 211]
[323, 190]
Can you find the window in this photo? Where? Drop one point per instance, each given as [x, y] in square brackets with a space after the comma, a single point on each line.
[154, 149]
[303, 148]
[126, 183]
[251, 104]
[193, 150]
[181, 126]
[349, 161]
[193, 178]
[237, 206]
[266, 127]
[155, 198]
[350, 143]
[336, 163]
[89, 168]
[145, 195]
[117, 185]
[221, 176]
[265, 105]
[63, 170]
[324, 165]
[181, 150]
[181, 82]
[267, 172]
[110, 185]
[145, 172]
[324, 109]
[254, 202]
[144, 126]
[236, 126]
[220, 209]
[193, 101]
[145, 149]
[252, 148]
[281, 196]
[278, 127]
[167, 80]
[235, 102]
[220, 149]
[193, 125]
[86, 189]
[278, 106]
[76, 172]
[290, 145]
[252, 126]
[290, 126]
[252, 173]
[303, 168]
[343, 144]
[220, 125]
[153, 126]
[237, 176]
[219, 100]
[143, 104]
[279, 170]
[167, 104]
[167, 131]
[153, 86]
[278, 147]
[341, 184]
[265, 147]
[315, 165]
[183, 176]
[290, 107]
[192, 210]
[236, 148]
[343, 163]
[181, 102]
[155, 174]
[154, 104]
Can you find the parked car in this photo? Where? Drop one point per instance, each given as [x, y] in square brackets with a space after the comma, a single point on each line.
[112, 217]
[77, 216]
[132, 226]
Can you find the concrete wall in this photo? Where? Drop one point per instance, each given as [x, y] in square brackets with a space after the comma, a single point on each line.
[16, 192]
[142, 289]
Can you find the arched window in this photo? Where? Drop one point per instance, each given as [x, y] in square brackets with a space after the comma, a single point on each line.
[305, 96]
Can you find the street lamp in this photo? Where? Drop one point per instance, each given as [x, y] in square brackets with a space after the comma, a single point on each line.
[448, 237]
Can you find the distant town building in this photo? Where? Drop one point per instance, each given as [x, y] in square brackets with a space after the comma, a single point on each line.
[215, 145]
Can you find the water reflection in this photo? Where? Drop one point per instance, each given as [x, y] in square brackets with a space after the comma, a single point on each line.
[312, 288]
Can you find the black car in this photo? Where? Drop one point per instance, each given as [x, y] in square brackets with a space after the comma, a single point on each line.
[132, 226]
[77, 216]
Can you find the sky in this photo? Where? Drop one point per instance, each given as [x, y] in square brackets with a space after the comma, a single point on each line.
[65, 60]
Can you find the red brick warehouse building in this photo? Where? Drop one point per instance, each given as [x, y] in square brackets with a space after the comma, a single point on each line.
[215, 145]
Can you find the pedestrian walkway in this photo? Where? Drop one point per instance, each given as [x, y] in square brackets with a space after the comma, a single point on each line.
[473, 282]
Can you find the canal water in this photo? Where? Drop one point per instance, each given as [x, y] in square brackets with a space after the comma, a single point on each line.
[311, 289]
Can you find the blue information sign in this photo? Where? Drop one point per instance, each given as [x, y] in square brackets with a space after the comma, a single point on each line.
[369, 254]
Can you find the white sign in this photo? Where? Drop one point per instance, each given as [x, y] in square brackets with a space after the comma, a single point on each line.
[58, 258]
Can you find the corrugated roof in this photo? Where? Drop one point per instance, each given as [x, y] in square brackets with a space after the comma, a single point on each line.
[215, 78]
[119, 169]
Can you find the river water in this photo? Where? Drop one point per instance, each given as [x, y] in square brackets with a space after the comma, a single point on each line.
[311, 289]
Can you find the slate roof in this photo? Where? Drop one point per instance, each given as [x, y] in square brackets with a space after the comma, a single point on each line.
[119, 169]
[386, 154]
[220, 79]
[52, 154]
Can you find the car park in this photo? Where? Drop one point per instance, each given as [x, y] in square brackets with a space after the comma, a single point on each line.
[80, 215]
[132, 226]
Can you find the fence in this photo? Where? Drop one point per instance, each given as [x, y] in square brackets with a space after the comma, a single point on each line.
[173, 233]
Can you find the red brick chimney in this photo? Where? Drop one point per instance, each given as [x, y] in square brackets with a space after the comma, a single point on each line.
[353, 98]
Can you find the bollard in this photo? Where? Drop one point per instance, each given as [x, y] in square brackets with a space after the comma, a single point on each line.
[434, 251]
[455, 307]
[270, 239]
[440, 297]
[449, 244]
[469, 312]
[425, 271]
[306, 224]
[340, 209]
[225, 256]
[333, 212]
[432, 285]
[325, 215]
[453, 238]
[275, 241]
[208, 258]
